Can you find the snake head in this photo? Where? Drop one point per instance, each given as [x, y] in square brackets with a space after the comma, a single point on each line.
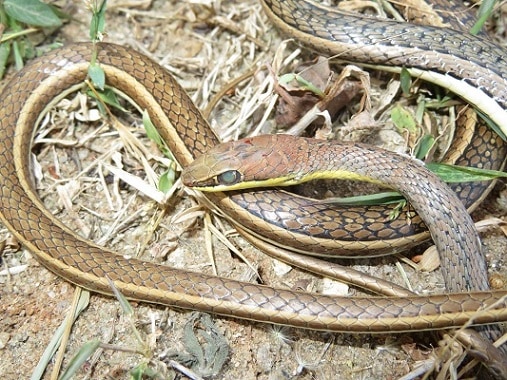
[247, 163]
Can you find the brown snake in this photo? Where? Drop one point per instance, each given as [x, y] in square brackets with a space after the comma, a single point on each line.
[282, 160]
[188, 136]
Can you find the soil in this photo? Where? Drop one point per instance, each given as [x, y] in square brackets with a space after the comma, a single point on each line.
[205, 45]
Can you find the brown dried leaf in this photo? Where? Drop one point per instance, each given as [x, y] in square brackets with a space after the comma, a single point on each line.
[296, 100]
[415, 352]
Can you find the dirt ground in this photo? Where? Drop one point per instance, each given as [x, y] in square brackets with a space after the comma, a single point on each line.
[205, 44]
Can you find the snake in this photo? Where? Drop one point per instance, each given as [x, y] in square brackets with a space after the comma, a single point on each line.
[284, 160]
[188, 136]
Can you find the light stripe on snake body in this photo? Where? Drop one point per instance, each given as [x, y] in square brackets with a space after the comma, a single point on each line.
[88, 265]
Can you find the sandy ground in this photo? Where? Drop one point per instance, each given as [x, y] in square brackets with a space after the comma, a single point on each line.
[205, 44]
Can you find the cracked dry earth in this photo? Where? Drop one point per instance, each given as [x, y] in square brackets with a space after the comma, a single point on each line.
[206, 45]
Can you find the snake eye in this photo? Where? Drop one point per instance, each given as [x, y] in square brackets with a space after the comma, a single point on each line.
[230, 177]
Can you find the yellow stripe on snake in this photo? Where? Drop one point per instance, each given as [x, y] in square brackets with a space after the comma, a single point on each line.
[445, 57]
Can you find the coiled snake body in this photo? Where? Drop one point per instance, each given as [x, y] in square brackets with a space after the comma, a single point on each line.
[188, 136]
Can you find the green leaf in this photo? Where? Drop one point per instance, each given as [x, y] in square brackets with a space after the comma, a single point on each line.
[492, 125]
[124, 303]
[305, 85]
[395, 212]
[59, 13]
[405, 81]
[4, 20]
[456, 174]
[420, 110]
[143, 371]
[483, 14]
[98, 22]
[97, 76]
[107, 96]
[80, 358]
[151, 131]
[403, 119]
[424, 146]
[56, 339]
[154, 136]
[5, 50]
[439, 103]
[18, 55]
[137, 372]
[32, 12]
[166, 181]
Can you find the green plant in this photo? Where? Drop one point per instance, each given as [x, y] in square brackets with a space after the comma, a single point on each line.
[24, 23]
